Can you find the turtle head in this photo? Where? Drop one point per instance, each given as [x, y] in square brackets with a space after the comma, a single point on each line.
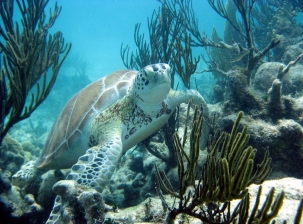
[152, 83]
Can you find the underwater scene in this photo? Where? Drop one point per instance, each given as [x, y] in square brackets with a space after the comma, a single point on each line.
[151, 111]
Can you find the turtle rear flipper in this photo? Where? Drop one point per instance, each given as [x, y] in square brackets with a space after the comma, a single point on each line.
[25, 175]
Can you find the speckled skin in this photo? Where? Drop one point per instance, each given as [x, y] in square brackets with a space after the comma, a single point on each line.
[145, 108]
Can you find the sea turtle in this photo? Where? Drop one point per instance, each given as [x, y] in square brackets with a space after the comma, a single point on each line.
[102, 121]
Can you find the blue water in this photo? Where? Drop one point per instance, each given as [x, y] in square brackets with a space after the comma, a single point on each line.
[97, 28]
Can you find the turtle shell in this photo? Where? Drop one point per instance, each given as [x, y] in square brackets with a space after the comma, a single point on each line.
[69, 136]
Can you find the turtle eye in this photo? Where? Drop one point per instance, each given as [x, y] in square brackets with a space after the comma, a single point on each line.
[163, 66]
[155, 68]
[148, 72]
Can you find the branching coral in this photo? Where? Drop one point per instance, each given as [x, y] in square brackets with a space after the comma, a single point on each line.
[244, 8]
[225, 177]
[167, 42]
[158, 47]
[243, 27]
[29, 52]
[239, 53]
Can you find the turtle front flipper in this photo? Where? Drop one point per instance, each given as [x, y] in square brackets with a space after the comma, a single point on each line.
[176, 97]
[93, 169]
[96, 167]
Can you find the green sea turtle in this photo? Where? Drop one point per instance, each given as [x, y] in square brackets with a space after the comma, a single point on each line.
[102, 121]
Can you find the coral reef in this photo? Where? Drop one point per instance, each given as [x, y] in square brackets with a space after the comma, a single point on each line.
[134, 180]
[284, 140]
[82, 205]
[225, 176]
[11, 156]
[16, 210]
